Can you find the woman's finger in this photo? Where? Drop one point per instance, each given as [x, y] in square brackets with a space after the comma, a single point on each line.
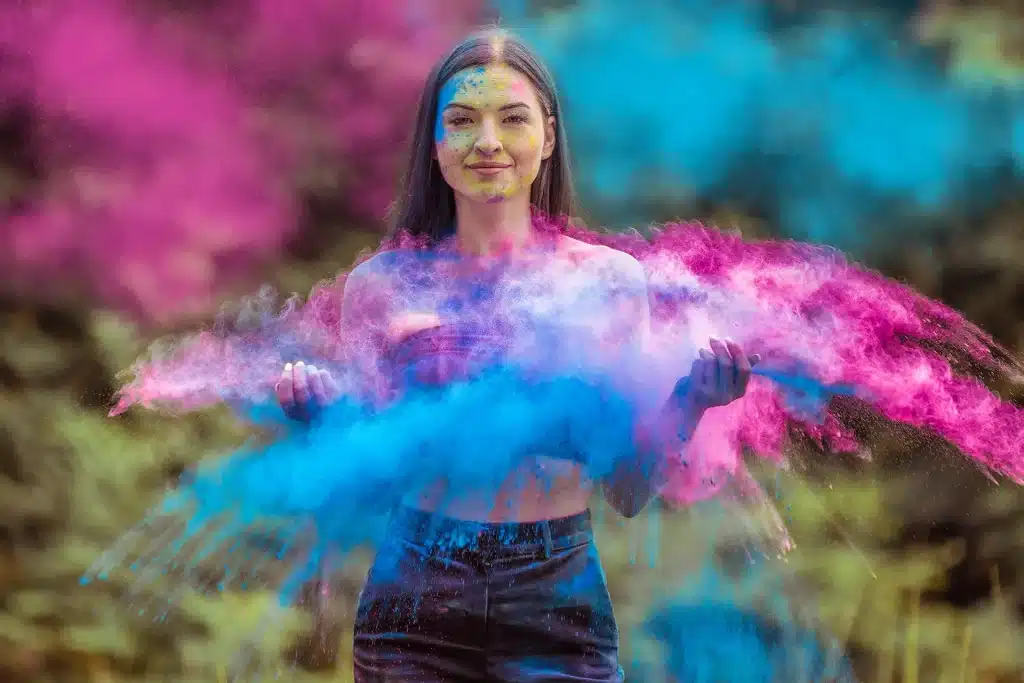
[708, 369]
[741, 363]
[738, 356]
[301, 380]
[316, 385]
[285, 388]
[726, 375]
[330, 386]
[696, 379]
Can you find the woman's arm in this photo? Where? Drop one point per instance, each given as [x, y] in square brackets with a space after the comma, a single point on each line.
[304, 390]
[717, 377]
[637, 478]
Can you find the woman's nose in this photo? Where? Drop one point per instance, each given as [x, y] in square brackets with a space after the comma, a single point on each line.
[488, 142]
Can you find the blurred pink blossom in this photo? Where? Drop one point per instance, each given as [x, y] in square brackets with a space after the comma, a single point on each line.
[171, 144]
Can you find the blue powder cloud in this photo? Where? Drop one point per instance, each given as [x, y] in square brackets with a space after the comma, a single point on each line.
[329, 490]
[307, 500]
[833, 125]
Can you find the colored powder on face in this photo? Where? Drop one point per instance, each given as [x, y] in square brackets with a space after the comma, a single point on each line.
[466, 81]
[488, 132]
[445, 97]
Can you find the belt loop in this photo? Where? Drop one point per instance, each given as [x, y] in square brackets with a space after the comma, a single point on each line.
[545, 529]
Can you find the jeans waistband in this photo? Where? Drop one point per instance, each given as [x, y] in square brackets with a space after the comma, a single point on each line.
[447, 534]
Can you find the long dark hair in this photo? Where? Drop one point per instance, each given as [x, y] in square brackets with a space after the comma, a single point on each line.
[425, 206]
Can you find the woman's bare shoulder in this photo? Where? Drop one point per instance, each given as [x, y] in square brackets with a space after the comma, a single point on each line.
[602, 257]
[381, 265]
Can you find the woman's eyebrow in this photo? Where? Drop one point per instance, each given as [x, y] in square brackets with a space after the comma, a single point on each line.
[505, 107]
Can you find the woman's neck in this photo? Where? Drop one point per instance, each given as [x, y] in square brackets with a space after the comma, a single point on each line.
[489, 229]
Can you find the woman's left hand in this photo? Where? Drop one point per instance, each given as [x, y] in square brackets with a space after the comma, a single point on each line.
[720, 376]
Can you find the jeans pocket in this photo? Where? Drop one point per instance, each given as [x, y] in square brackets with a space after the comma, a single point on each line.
[398, 573]
[583, 582]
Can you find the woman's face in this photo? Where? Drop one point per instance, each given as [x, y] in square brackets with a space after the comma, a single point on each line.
[491, 134]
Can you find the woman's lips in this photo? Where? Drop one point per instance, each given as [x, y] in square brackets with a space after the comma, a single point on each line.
[488, 169]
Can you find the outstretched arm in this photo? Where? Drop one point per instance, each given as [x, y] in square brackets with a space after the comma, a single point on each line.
[718, 376]
[634, 481]
[303, 390]
[636, 478]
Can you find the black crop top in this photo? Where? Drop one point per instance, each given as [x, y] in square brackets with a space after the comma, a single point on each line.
[444, 353]
[440, 355]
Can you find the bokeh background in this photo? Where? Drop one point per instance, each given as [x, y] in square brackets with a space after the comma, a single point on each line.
[159, 157]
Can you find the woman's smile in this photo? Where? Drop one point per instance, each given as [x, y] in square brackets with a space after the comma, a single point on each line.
[488, 171]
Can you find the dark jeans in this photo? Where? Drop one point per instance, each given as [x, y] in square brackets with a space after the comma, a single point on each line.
[451, 600]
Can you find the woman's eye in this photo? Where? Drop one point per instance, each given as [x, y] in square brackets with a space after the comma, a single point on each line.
[459, 121]
[516, 118]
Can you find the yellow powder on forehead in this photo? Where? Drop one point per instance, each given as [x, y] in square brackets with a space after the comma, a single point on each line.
[476, 85]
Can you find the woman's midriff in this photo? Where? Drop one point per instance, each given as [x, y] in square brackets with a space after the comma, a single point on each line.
[542, 488]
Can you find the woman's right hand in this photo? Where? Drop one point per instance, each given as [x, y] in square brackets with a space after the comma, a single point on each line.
[304, 390]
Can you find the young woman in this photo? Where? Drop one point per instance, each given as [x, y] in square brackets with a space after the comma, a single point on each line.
[527, 601]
